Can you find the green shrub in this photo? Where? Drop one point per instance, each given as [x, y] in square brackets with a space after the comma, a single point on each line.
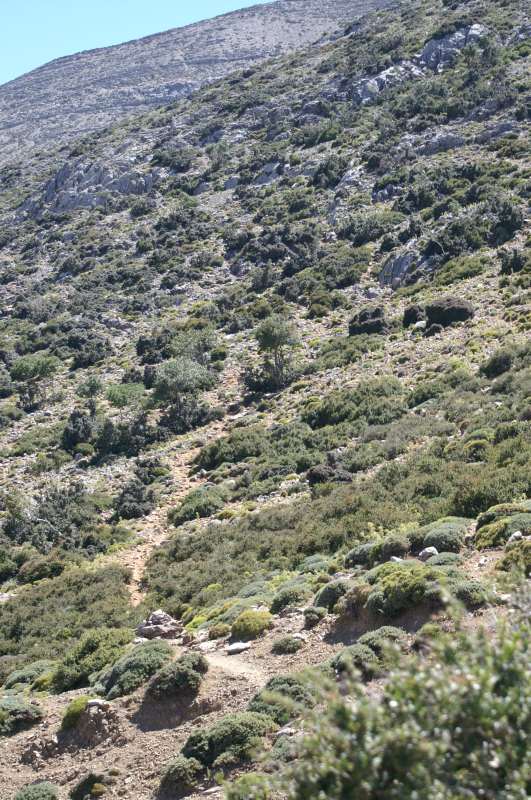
[288, 597]
[17, 714]
[380, 638]
[219, 630]
[501, 361]
[27, 675]
[251, 624]
[398, 587]
[283, 698]
[287, 645]
[360, 556]
[328, 596]
[249, 787]
[359, 657]
[134, 669]
[447, 537]
[95, 650]
[517, 557]
[182, 677]
[495, 526]
[38, 791]
[387, 749]
[393, 545]
[313, 616]
[181, 777]
[74, 710]
[199, 503]
[230, 740]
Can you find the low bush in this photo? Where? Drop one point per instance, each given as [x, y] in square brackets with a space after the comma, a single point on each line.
[38, 791]
[95, 651]
[251, 624]
[181, 777]
[283, 698]
[27, 675]
[379, 639]
[229, 741]
[219, 630]
[328, 596]
[17, 714]
[182, 677]
[313, 616]
[134, 669]
[387, 749]
[287, 645]
[495, 526]
[199, 503]
[288, 597]
[360, 657]
[73, 712]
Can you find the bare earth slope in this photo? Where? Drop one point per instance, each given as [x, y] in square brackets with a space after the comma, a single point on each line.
[88, 91]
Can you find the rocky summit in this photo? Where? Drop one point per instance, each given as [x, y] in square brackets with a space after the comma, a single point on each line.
[88, 91]
[265, 417]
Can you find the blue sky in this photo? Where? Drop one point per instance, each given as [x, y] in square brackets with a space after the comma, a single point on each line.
[33, 32]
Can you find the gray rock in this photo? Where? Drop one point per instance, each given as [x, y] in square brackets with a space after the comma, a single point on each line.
[428, 552]
[438, 54]
[237, 647]
[159, 625]
[517, 536]
[440, 143]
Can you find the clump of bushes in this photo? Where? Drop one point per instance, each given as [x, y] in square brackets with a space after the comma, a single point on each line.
[328, 596]
[134, 669]
[219, 630]
[313, 616]
[38, 791]
[360, 657]
[17, 714]
[95, 650]
[495, 526]
[251, 624]
[379, 639]
[200, 503]
[229, 741]
[182, 776]
[287, 645]
[387, 749]
[291, 596]
[182, 677]
[26, 676]
[283, 698]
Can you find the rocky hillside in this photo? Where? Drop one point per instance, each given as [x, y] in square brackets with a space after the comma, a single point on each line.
[265, 430]
[88, 91]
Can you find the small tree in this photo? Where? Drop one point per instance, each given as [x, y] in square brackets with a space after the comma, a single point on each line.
[178, 377]
[276, 338]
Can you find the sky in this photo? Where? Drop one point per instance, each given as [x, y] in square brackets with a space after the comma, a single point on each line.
[33, 32]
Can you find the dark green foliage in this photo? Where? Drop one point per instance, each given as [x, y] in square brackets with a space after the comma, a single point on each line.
[313, 616]
[360, 657]
[134, 669]
[27, 675]
[134, 501]
[182, 776]
[328, 596]
[380, 638]
[499, 362]
[60, 517]
[78, 429]
[283, 698]
[180, 678]
[199, 503]
[386, 749]
[287, 645]
[229, 741]
[288, 597]
[74, 602]
[38, 791]
[17, 714]
[376, 402]
[367, 227]
[95, 650]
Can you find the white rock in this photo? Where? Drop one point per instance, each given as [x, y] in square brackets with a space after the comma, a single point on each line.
[517, 536]
[237, 647]
[428, 552]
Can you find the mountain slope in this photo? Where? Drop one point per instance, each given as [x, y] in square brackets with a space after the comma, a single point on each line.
[88, 91]
[265, 365]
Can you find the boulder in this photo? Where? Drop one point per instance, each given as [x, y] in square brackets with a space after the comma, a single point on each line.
[412, 315]
[159, 625]
[440, 53]
[368, 320]
[428, 552]
[448, 311]
[237, 647]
